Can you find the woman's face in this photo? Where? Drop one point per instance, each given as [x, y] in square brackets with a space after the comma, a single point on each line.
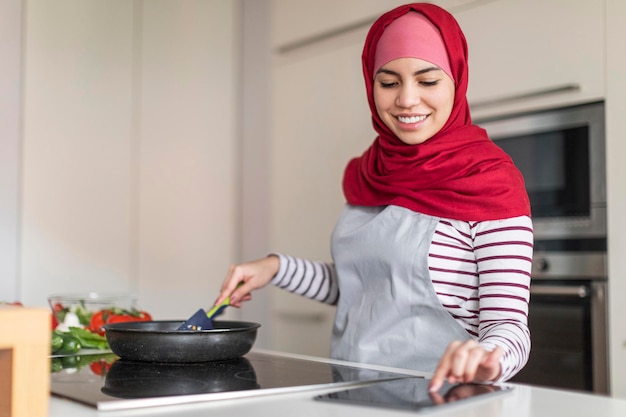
[414, 98]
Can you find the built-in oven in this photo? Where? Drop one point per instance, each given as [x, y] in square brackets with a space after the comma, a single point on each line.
[567, 320]
[561, 154]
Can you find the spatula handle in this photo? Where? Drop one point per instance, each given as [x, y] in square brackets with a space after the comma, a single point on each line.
[218, 308]
[221, 306]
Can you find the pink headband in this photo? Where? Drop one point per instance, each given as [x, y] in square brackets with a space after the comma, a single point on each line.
[412, 36]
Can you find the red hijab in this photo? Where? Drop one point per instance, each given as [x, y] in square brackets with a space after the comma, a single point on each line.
[459, 173]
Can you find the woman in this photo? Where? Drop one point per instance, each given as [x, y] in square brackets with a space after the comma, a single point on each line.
[432, 253]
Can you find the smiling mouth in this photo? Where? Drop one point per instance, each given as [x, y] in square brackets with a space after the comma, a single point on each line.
[411, 119]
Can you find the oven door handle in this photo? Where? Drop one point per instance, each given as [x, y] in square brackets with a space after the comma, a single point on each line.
[579, 291]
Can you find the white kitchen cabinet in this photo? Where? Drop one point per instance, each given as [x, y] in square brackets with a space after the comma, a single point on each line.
[324, 18]
[532, 54]
[320, 120]
[327, 19]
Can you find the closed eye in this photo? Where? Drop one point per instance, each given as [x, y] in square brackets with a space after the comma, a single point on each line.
[388, 85]
[417, 74]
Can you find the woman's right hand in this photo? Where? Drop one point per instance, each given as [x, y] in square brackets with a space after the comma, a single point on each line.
[251, 275]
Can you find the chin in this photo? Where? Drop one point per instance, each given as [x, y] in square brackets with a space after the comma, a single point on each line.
[412, 141]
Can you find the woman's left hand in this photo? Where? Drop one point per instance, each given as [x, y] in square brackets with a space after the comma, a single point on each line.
[465, 362]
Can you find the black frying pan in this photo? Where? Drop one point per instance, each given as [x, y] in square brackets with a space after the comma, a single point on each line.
[161, 341]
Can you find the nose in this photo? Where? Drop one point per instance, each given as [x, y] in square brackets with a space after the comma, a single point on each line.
[408, 96]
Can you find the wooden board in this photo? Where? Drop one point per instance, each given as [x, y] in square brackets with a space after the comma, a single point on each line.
[24, 361]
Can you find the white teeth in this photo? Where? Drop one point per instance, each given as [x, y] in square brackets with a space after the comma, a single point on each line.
[412, 119]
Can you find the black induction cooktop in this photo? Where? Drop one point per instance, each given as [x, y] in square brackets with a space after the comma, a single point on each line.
[109, 383]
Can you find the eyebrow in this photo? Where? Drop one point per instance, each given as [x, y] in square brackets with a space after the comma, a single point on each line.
[419, 72]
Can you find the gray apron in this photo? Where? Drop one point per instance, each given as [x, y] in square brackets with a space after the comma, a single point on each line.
[388, 312]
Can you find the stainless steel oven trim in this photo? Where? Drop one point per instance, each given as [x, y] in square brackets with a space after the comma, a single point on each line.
[577, 291]
[569, 265]
[598, 338]
[572, 227]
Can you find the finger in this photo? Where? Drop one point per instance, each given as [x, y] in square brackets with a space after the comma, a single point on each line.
[237, 301]
[236, 274]
[232, 280]
[436, 398]
[494, 356]
[490, 369]
[436, 382]
[242, 292]
[443, 368]
[221, 297]
[441, 372]
[475, 358]
[229, 274]
[459, 362]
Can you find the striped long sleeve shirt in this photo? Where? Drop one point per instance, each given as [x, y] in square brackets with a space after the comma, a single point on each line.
[480, 272]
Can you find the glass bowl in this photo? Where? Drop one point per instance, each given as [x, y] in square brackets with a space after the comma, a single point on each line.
[76, 310]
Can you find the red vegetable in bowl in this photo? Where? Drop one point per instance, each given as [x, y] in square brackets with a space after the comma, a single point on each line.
[97, 321]
[115, 315]
[56, 310]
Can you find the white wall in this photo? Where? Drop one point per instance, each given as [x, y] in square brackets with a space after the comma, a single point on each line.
[254, 164]
[616, 149]
[10, 91]
[77, 157]
[188, 144]
[129, 150]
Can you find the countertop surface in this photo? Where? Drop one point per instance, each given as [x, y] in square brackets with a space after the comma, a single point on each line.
[521, 401]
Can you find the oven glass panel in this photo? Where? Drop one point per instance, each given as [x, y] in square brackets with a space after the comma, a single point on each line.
[555, 166]
[561, 353]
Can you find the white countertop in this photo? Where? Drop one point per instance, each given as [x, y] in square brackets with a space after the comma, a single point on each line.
[522, 401]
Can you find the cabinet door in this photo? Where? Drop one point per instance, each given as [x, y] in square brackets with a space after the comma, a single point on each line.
[529, 54]
[320, 121]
